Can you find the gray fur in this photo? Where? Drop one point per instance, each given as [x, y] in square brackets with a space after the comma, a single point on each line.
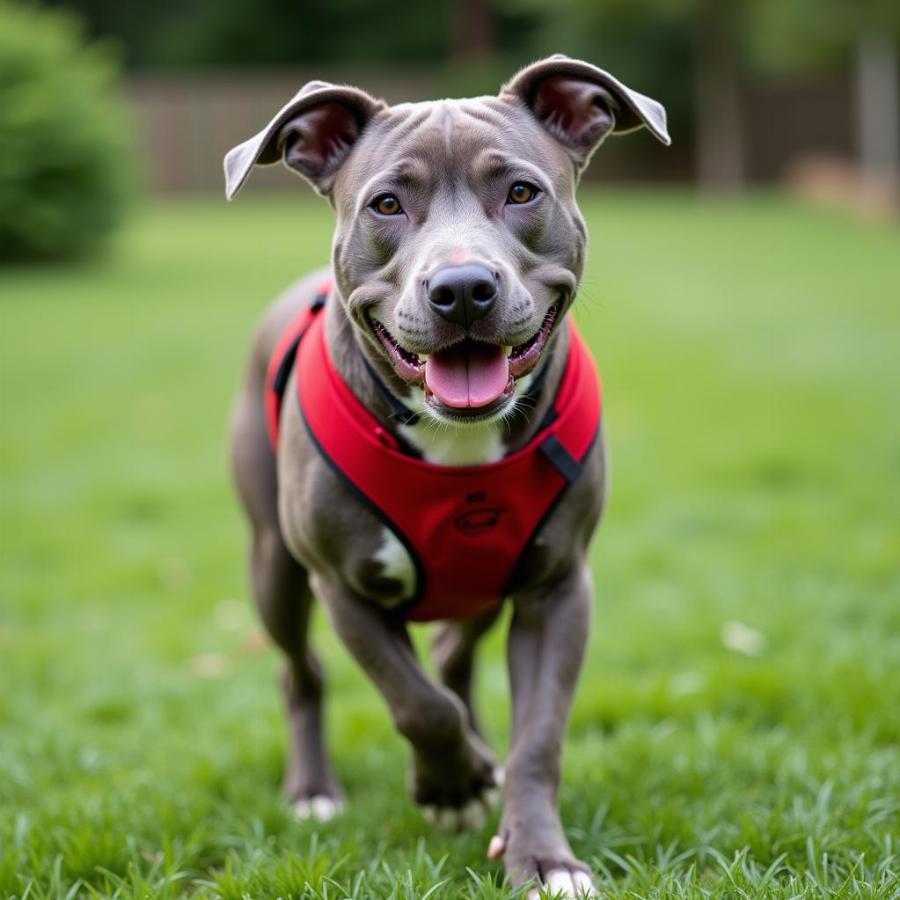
[451, 163]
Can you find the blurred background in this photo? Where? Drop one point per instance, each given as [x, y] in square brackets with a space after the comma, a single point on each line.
[733, 732]
[757, 90]
[798, 92]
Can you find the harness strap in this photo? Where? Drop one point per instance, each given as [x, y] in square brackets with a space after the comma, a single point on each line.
[565, 463]
[399, 411]
[279, 382]
[282, 361]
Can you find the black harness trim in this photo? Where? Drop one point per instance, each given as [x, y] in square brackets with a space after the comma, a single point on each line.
[529, 544]
[556, 453]
[399, 411]
[279, 382]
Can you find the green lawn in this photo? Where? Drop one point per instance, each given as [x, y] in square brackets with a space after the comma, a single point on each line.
[735, 733]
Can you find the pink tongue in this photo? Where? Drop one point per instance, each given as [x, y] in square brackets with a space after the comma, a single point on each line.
[468, 374]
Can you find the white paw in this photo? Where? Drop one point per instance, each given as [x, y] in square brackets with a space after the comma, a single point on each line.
[470, 817]
[319, 808]
[561, 883]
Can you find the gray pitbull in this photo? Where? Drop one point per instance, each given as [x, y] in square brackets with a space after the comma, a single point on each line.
[456, 228]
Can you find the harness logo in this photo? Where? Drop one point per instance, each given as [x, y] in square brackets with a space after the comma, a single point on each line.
[475, 522]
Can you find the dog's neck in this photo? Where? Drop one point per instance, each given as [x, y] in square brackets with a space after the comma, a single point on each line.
[442, 443]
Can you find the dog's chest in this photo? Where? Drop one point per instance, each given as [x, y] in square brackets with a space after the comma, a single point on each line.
[389, 574]
[472, 445]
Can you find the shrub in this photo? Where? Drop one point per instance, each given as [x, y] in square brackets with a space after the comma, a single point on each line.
[65, 174]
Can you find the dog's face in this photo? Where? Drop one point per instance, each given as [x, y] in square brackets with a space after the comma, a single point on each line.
[459, 245]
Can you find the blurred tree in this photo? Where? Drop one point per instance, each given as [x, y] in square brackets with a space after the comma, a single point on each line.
[471, 24]
[65, 172]
[693, 54]
[698, 67]
[299, 32]
[819, 34]
[719, 135]
[267, 32]
[651, 53]
[726, 38]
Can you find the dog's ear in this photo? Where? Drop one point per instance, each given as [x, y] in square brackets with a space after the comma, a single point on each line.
[313, 134]
[580, 104]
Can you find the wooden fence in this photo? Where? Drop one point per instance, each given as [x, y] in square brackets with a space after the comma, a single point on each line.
[186, 123]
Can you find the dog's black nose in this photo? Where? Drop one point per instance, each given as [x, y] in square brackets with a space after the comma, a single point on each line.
[462, 294]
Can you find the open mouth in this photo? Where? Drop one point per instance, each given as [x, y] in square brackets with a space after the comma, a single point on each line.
[468, 378]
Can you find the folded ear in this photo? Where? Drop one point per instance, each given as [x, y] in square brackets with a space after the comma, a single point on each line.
[580, 104]
[313, 134]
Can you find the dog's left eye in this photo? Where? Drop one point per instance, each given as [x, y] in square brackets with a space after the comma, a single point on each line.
[387, 205]
[522, 192]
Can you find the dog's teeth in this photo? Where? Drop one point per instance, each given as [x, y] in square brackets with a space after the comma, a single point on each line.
[423, 357]
[507, 350]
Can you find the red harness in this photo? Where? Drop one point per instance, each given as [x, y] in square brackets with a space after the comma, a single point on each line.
[467, 528]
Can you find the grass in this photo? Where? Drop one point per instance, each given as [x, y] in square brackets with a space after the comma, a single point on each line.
[734, 734]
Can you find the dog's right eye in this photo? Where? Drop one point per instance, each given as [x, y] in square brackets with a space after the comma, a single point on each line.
[387, 205]
[522, 192]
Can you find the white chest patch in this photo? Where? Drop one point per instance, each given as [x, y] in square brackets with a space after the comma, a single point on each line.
[464, 444]
[396, 563]
[448, 445]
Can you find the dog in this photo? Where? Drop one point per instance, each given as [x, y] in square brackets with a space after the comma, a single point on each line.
[418, 435]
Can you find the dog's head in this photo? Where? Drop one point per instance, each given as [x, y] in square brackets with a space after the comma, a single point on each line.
[459, 245]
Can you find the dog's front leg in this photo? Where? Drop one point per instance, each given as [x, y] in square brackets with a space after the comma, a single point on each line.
[547, 638]
[454, 774]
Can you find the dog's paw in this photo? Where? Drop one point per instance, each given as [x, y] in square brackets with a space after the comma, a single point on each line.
[555, 879]
[452, 780]
[564, 884]
[472, 815]
[318, 808]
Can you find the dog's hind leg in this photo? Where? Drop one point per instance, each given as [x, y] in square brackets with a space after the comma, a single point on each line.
[453, 651]
[281, 590]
